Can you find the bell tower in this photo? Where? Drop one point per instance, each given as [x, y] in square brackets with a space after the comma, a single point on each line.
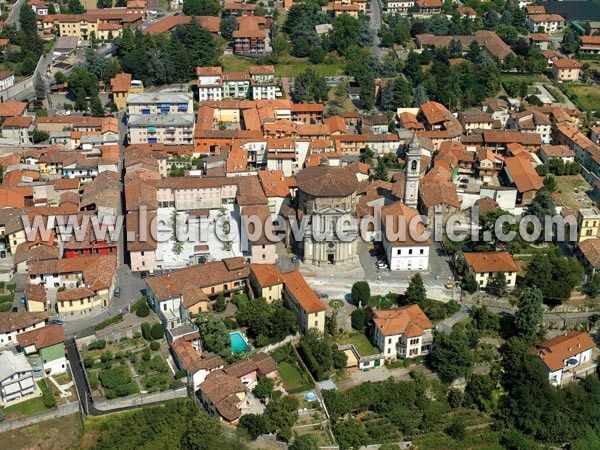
[413, 170]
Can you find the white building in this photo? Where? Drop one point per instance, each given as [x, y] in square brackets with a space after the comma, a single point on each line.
[403, 333]
[399, 6]
[566, 357]
[210, 86]
[7, 79]
[16, 377]
[486, 265]
[172, 129]
[405, 239]
[12, 324]
[151, 103]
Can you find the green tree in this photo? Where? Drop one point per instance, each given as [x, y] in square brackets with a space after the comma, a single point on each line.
[570, 41]
[75, 7]
[214, 335]
[529, 313]
[381, 172]
[202, 433]
[456, 430]
[254, 424]
[221, 304]
[594, 285]
[142, 310]
[96, 107]
[60, 77]
[361, 293]
[264, 387]
[345, 32]
[40, 136]
[416, 292]
[452, 355]
[358, 319]
[201, 8]
[146, 334]
[40, 86]
[157, 331]
[305, 442]
[228, 25]
[497, 285]
[550, 184]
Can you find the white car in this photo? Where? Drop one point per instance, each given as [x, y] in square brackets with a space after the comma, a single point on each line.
[381, 265]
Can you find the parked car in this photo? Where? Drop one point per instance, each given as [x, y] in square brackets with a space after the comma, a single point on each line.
[56, 322]
[23, 298]
[381, 265]
[452, 284]
[117, 292]
[464, 180]
[374, 252]
[15, 309]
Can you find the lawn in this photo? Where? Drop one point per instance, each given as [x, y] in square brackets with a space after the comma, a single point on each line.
[571, 191]
[236, 63]
[26, 408]
[530, 79]
[290, 66]
[585, 96]
[360, 341]
[292, 378]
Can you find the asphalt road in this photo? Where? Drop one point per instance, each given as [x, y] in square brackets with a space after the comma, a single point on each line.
[376, 26]
[13, 17]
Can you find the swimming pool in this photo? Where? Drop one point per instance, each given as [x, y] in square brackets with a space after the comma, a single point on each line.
[238, 342]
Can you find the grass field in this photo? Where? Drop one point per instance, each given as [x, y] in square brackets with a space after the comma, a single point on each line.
[290, 66]
[26, 408]
[588, 97]
[360, 341]
[236, 63]
[61, 433]
[505, 77]
[293, 380]
[572, 190]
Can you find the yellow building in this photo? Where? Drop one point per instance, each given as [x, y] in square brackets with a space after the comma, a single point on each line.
[302, 300]
[266, 281]
[588, 224]
[120, 85]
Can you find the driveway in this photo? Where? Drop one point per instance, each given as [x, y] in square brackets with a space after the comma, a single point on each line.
[356, 377]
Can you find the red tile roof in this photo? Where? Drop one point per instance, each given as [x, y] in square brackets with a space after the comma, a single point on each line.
[482, 262]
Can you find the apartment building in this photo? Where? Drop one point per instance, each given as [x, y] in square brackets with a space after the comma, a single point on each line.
[252, 36]
[147, 104]
[93, 21]
[173, 129]
[302, 300]
[257, 84]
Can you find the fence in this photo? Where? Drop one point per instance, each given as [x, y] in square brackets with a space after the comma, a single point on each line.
[139, 400]
[62, 411]
[291, 338]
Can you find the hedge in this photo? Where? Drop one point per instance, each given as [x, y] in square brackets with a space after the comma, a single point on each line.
[110, 321]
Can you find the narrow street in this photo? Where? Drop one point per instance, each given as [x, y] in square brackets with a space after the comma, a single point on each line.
[376, 26]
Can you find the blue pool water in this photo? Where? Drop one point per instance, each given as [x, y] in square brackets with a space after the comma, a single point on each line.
[238, 342]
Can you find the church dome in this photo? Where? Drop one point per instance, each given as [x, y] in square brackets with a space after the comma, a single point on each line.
[327, 181]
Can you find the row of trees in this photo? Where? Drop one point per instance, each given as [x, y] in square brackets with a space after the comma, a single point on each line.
[164, 59]
[265, 323]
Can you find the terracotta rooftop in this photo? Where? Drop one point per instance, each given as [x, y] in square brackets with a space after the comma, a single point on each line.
[222, 391]
[567, 63]
[555, 352]
[482, 262]
[409, 320]
[523, 174]
[14, 321]
[267, 275]
[327, 181]
[301, 291]
[42, 337]
[590, 249]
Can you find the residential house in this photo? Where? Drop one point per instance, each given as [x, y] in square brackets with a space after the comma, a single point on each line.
[484, 266]
[252, 36]
[18, 129]
[35, 298]
[222, 395]
[566, 69]
[563, 152]
[84, 285]
[404, 332]
[250, 370]
[16, 378]
[428, 7]
[13, 324]
[176, 295]
[7, 79]
[588, 252]
[521, 173]
[566, 357]
[45, 350]
[589, 45]
[195, 364]
[399, 6]
[120, 86]
[545, 23]
[266, 281]
[302, 300]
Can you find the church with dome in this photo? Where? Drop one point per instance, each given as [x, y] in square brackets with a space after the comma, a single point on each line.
[327, 195]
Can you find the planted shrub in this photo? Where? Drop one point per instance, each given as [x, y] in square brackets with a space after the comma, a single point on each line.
[157, 331]
[142, 310]
[154, 345]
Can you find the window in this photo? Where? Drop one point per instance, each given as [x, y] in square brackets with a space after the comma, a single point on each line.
[422, 251]
[410, 251]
